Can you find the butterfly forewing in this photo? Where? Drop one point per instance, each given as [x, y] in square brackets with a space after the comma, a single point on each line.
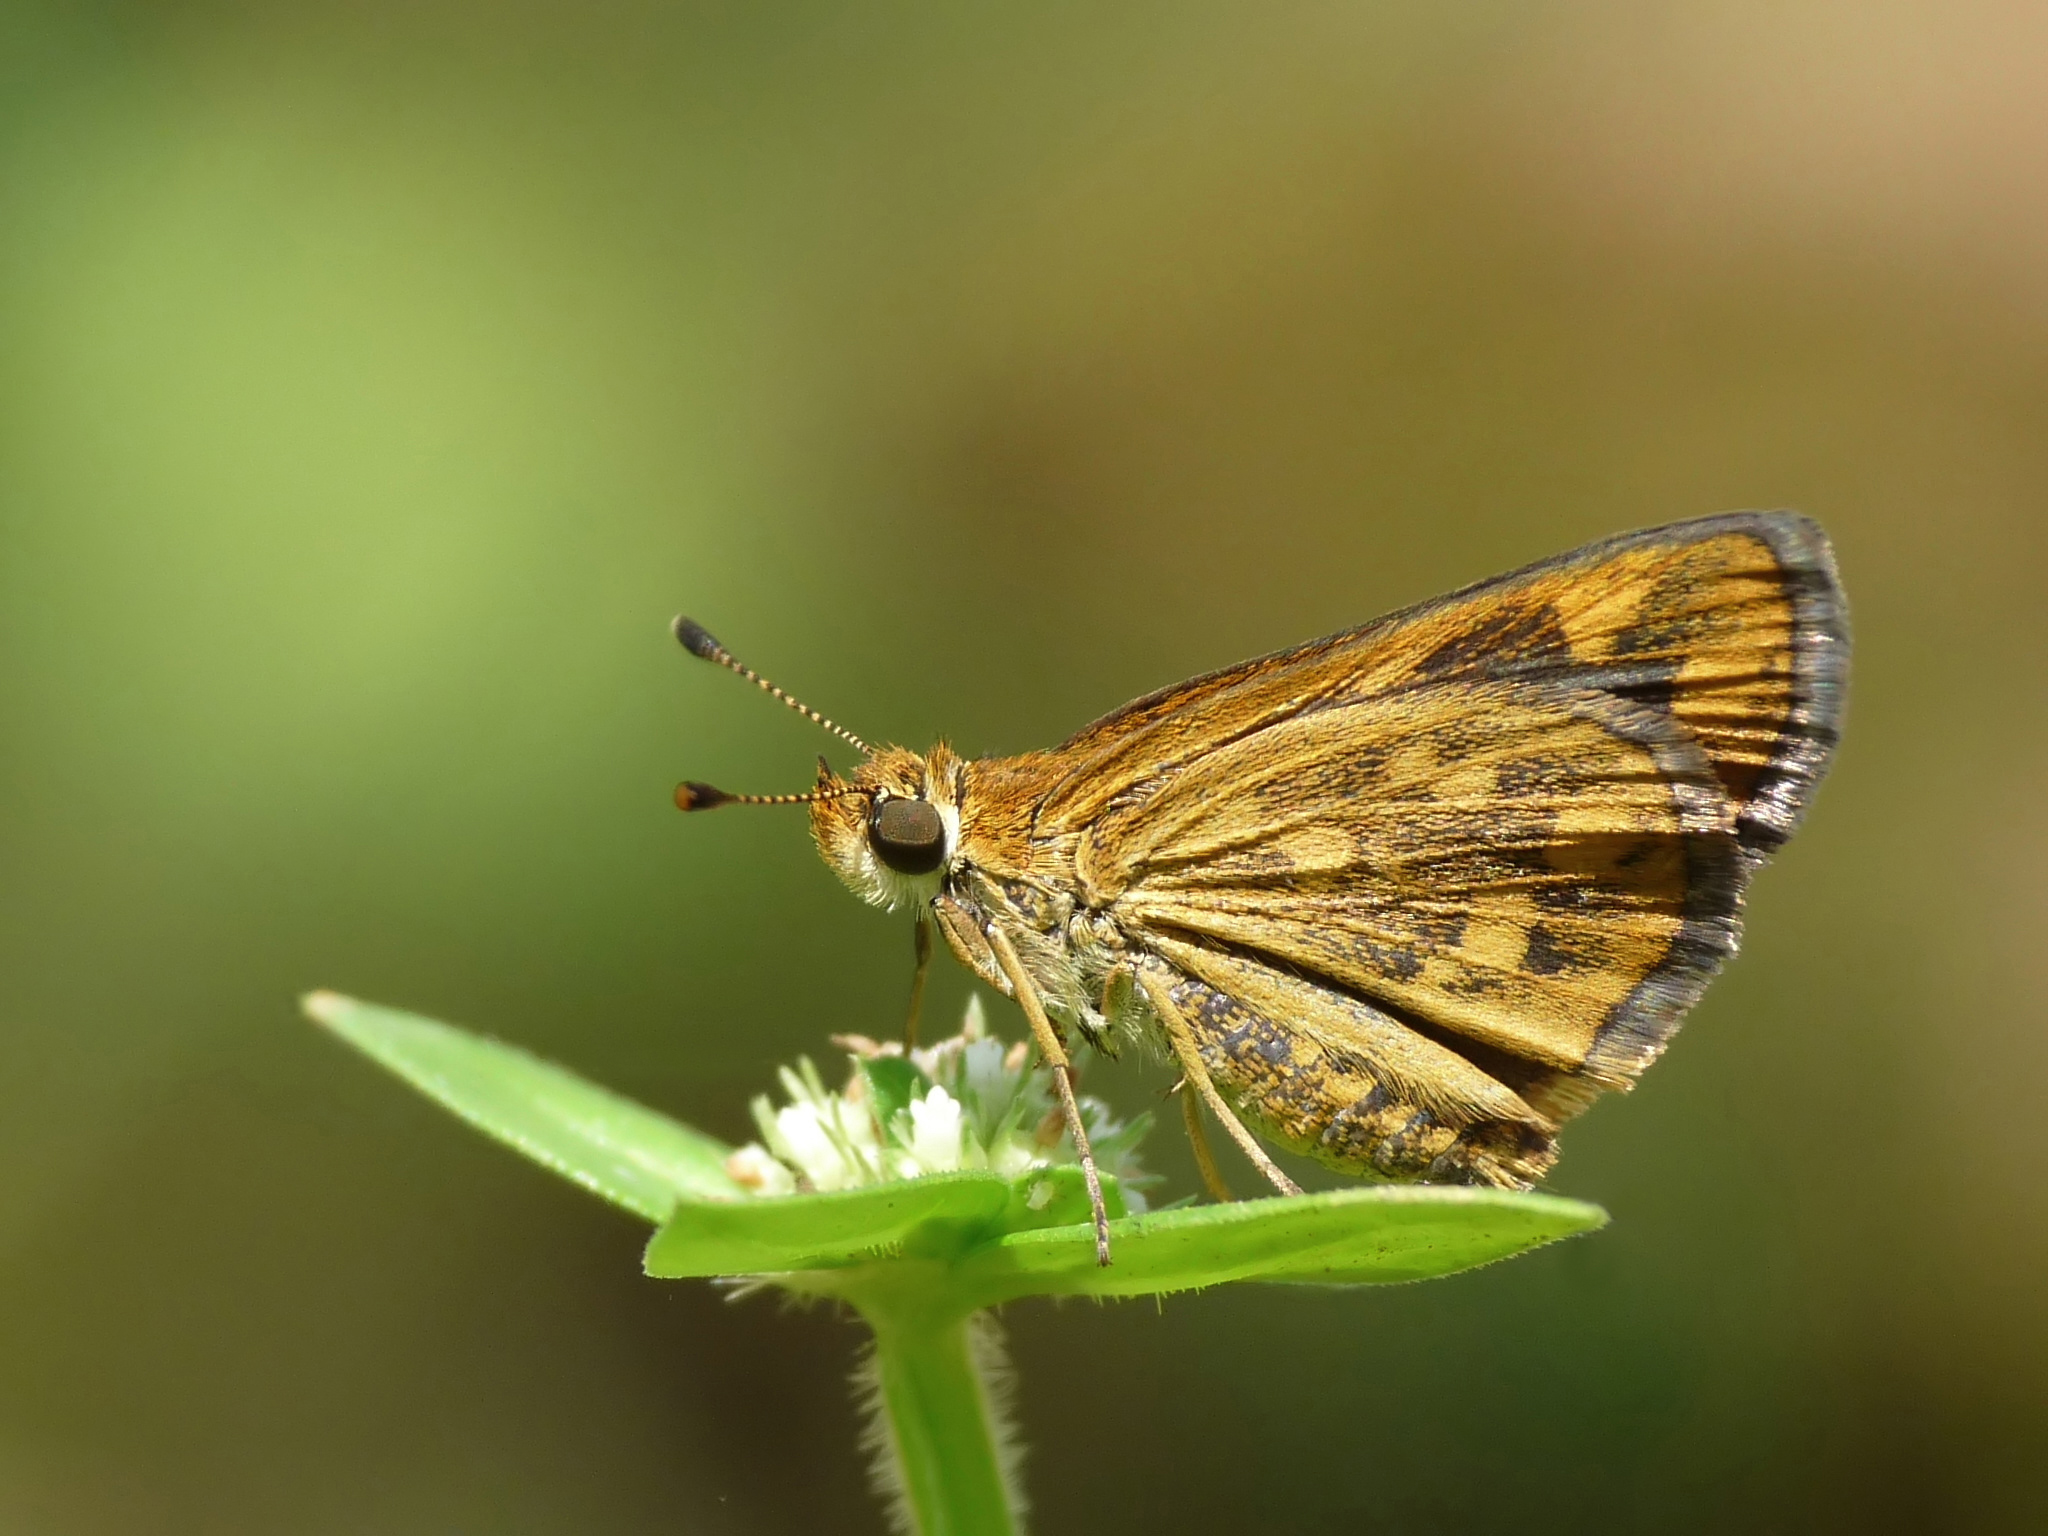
[1733, 625]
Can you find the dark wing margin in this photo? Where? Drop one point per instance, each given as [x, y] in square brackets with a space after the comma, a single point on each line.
[1733, 625]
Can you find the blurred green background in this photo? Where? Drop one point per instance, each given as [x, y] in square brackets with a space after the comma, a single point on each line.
[375, 382]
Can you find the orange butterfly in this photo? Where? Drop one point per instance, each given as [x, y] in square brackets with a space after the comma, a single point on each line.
[1405, 899]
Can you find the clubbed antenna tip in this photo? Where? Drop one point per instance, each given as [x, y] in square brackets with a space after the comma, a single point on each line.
[698, 641]
[695, 638]
[692, 796]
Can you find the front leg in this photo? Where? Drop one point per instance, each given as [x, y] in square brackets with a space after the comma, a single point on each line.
[1054, 1051]
[960, 925]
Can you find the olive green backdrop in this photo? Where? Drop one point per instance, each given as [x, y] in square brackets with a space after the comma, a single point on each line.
[377, 379]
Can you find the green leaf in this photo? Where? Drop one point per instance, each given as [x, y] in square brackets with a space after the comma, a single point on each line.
[894, 1081]
[1057, 1197]
[939, 1214]
[985, 1239]
[1373, 1235]
[627, 1153]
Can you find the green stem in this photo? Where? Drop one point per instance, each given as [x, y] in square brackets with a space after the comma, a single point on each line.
[942, 1441]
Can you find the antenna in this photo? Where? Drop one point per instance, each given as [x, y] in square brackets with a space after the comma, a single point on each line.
[693, 796]
[697, 640]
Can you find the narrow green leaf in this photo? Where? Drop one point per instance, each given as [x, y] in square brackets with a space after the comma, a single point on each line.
[1373, 1235]
[627, 1153]
[935, 1215]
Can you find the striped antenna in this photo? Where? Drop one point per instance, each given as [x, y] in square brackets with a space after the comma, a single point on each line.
[704, 797]
[697, 640]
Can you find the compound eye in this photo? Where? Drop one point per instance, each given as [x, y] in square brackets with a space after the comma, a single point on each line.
[908, 836]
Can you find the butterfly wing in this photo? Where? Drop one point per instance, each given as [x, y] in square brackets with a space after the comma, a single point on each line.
[1537, 880]
[1733, 627]
[1446, 877]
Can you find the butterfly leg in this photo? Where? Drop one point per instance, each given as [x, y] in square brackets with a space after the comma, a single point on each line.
[1118, 988]
[1055, 1054]
[921, 946]
[1198, 1139]
[1182, 1039]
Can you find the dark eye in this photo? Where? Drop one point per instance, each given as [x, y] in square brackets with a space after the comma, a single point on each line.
[908, 836]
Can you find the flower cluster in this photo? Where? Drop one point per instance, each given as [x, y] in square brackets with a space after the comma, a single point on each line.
[968, 1102]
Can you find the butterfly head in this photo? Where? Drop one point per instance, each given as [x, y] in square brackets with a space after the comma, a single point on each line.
[892, 830]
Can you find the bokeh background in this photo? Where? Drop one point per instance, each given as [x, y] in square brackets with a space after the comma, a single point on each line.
[375, 381]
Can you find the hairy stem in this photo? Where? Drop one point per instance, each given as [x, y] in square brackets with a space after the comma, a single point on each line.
[945, 1457]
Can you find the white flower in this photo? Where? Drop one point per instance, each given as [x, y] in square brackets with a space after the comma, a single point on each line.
[752, 1168]
[826, 1139]
[938, 1134]
[805, 1141]
[967, 1102]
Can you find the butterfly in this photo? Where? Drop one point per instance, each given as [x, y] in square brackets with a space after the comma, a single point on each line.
[1403, 900]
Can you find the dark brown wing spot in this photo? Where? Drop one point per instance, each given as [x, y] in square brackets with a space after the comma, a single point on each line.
[1667, 618]
[1387, 959]
[1545, 956]
[1651, 684]
[1506, 634]
[1537, 775]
